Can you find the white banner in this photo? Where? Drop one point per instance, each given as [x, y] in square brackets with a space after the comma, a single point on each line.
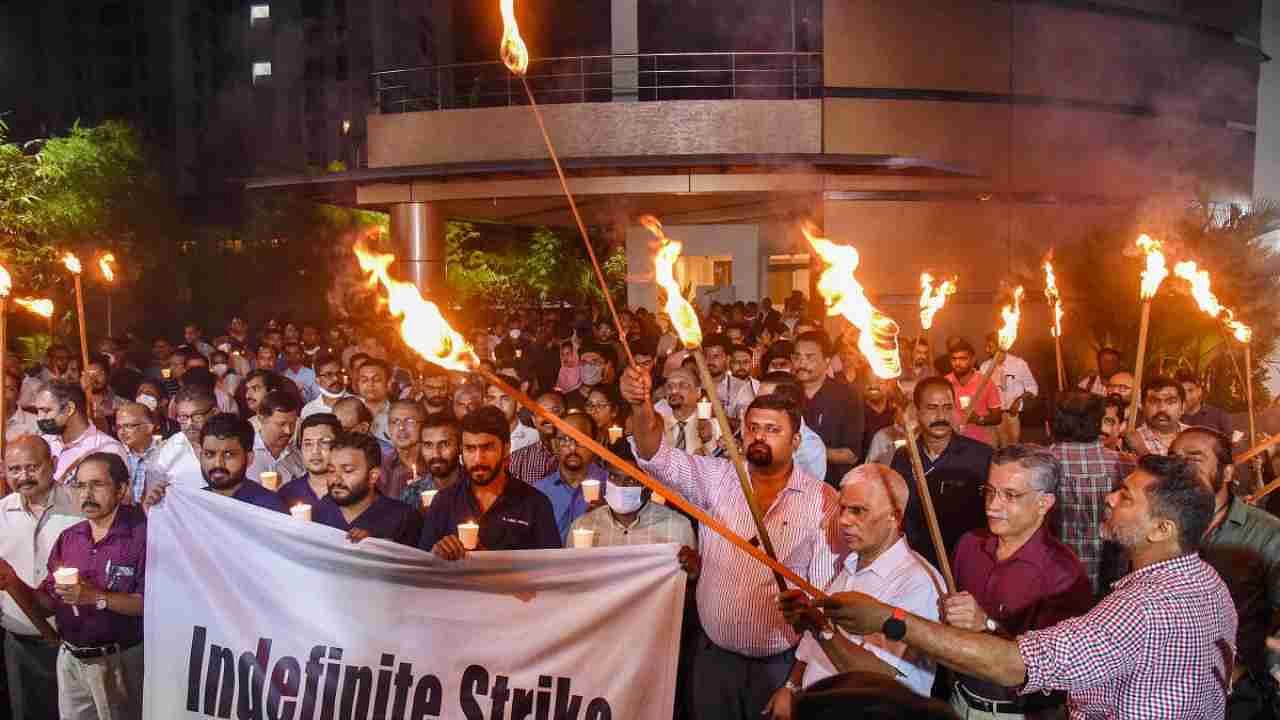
[253, 615]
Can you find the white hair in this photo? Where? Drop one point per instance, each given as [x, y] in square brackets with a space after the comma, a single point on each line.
[884, 476]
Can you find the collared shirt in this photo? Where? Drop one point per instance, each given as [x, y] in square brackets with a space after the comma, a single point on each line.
[117, 564]
[736, 393]
[901, 578]
[254, 494]
[1152, 440]
[289, 465]
[21, 422]
[736, 592]
[1013, 378]
[175, 462]
[653, 524]
[305, 378]
[567, 501]
[835, 413]
[532, 463]
[67, 455]
[1042, 583]
[1158, 647]
[138, 464]
[396, 475]
[381, 416]
[674, 428]
[412, 495]
[522, 436]
[319, 405]
[885, 444]
[966, 396]
[1245, 550]
[520, 519]
[1090, 472]
[1210, 417]
[873, 423]
[26, 540]
[955, 480]
[298, 491]
[385, 518]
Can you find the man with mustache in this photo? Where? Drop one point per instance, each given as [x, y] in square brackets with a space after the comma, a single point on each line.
[1162, 403]
[354, 503]
[273, 447]
[404, 425]
[1243, 545]
[1014, 575]
[178, 458]
[955, 467]
[966, 380]
[1160, 645]
[511, 514]
[441, 446]
[226, 446]
[834, 410]
[678, 411]
[749, 646]
[538, 460]
[316, 438]
[577, 463]
[329, 387]
[31, 519]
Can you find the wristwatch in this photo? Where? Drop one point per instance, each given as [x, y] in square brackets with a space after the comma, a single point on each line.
[895, 628]
[991, 625]
[101, 602]
[791, 685]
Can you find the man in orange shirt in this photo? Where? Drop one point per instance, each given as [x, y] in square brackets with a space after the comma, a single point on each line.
[966, 380]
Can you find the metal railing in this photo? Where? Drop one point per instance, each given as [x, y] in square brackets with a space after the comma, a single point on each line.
[603, 78]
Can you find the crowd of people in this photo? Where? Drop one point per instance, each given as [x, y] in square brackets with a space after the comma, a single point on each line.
[1098, 573]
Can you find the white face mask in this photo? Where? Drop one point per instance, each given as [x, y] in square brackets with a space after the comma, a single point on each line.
[330, 395]
[514, 333]
[148, 401]
[622, 499]
[592, 375]
[219, 369]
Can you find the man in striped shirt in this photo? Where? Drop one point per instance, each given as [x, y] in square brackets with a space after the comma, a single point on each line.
[749, 647]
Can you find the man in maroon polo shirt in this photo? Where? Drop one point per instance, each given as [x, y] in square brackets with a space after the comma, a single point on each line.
[99, 615]
[1014, 575]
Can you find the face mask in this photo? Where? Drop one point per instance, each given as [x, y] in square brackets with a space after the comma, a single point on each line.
[623, 500]
[514, 333]
[327, 394]
[148, 401]
[48, 426]
[219, 369]
[592, 374]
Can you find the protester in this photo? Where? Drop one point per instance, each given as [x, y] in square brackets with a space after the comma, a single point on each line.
[630, 517]
[301, 375]
[61, 419]
[316, 437]
[134, 426]
[373, 385]
[683, 429]
[881, 402]
[1113, 418]
[435, 391]
[511, 515]
[273, 447]
[466, 398]
[577, 464]
[833, 410]
[354, 503]
[102, 400]
[31, 519]
[226, 449]
[522, 435]
[955, 468]
[1014, 576]
[441, 448]
[1196, 412]
[597, 367]
[404, 425]
[1121, 384]
[987, 410]
[56, 366]
[1017, 385]
[17, 421]
[1108, 364]
[920, 366]
[1159, 646]
[811, 456]
[178, 459]
[1162, 403]
[329, 386]
[749, 646]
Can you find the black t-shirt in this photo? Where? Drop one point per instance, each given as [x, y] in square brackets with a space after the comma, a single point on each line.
[520, 519]
[955, 480]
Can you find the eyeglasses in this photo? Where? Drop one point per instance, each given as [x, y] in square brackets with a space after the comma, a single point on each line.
[403, 422]
[767, 429]
[184, 419]
[15, 471]
[599, 405]
[81, 486]
[1007, 496]
[130, 426]
[566, 442]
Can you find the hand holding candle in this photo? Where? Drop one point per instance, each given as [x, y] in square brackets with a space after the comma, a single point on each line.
[301, 511]
[583, 538]
[469, 534]
[591, 490]
[269, 480]
[428, 496]
[66, 578]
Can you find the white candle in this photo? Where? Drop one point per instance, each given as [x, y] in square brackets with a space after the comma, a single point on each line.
[301, 511]
[427, 497]
[615, 434]
[583, 538]
[469, 534]
[591, 490]
[269, 480]
[964, 402]
[66, 576]
[899, 443]
[704, 409]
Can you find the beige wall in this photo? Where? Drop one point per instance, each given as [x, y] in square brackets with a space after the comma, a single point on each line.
[596, 130]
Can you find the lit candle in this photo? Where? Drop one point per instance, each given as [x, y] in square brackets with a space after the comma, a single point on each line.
[269, 480]
[583, 538]
[67, 577]
[469, 534]
[615, 434]
[591, 490]
[427, 497]
[964, 402]
[704, 409]
[301, 511]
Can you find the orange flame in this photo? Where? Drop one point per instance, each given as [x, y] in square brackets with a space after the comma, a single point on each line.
[40, 306]
[1156, 270]
[104, 265]
[72, 262]
[1051, 294]
[1198, 280]
[514, 53]
[1011, 314]
[6, 283]
[683, 318]
[423, 328]
[878, 338]
[932, 299]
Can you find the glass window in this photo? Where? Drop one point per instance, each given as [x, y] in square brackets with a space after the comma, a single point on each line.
[259, 13]
[261, 72]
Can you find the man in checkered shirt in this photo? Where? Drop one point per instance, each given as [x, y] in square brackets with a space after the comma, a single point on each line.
[1160, 646]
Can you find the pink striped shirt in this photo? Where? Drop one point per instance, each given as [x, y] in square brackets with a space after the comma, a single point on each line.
[736, 593]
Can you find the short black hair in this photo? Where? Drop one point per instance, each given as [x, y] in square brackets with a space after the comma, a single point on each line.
[1179, 496]
[1186, 376]
[1077, 417]
[326, 358]
[960, 345]
[487, 420]
[199, 377]
[378, 363]
[781, 402]
[1221, 443]
[606, 352]
[65, 392]
[271, 380]
[1160, 382]
[719, 340]
[229, 426]
[101, 361]
[279, 401]
[362, 442]
[195, 393]
[323, 419]
[592, 428]
[363, 414]
[1117, 402]
[917, 395]
[116, 469]
[1108, 351]
[817, 337]
[780, 349]
[443, 419]
[786, 385]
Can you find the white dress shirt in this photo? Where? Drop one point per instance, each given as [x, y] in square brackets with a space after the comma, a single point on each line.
[901, 578]
[20, 422]
[25, 542]
[692, 438]
[320, 406]
[175, 462]
[1014, 379]
[288, 466]
[523, 436]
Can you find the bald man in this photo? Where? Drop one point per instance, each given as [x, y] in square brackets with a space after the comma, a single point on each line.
[879, 563]
[31, 519]
[679, 412]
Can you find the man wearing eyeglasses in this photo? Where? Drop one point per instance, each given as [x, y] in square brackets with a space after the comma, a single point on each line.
[401, 469]
[329, 386]
[177, 460]
[577, 463]
[273, 446]
[1014, 575]
[134, 426]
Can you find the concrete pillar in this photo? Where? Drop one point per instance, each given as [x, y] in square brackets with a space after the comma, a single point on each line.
[625, 34]
[417, 231]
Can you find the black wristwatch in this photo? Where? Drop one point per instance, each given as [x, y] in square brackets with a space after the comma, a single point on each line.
[895, 628]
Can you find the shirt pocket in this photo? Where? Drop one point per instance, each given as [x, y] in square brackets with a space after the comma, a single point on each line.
[122, 578]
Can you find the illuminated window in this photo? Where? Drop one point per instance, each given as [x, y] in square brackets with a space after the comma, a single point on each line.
[259, 14]
[261, 72]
